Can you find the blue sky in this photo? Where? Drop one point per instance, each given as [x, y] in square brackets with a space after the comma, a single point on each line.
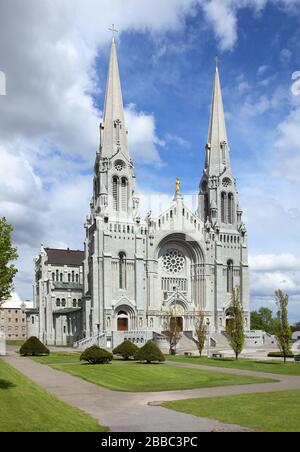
[56, 73]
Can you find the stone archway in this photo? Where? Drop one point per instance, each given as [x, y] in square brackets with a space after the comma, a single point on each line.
[125, 318]
[122, 321]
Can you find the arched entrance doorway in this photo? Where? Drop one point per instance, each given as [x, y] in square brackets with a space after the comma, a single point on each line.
[177, 324]
[176, 321]
[122, 321]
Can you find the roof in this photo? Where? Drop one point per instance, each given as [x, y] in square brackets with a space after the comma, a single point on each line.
[64, 257]
[15, 302]
[66, 311]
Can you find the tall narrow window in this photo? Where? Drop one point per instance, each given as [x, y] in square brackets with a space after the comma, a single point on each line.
[115, 192]
[124, 190]
[73, 276]
[122, 270]
[57, 275]
[206, 209]
[230, 208]
[61, 277]
[223, 207]
[229, 276]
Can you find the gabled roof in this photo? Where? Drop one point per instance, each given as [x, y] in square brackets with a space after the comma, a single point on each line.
[64, 257]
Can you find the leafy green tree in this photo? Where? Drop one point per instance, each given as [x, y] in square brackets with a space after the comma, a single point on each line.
[201, 332]
[283, 334]
[149, 353]
[127, 350]
[295, 327]
[263, 320]
[235, 330]
[7, 254]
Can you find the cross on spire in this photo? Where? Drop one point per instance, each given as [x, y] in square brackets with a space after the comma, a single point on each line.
[113, 30]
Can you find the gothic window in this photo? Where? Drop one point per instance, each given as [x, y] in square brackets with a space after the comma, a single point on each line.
[115, 192]
[53, 276]
[122, 271]
[74, 303]
[206, 208]
[73, 276]
[69, 277]
[223, 207]
[77, 277]
[57, 302]
[57, 275]
[229, 276]
[61, 277]
[63, 302]
[124, 190]
[230, 208]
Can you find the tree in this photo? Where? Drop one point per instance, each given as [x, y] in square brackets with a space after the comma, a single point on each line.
[172, 330]
[263, 320]
[127, 350]
[201, 332]
[283, 334]
[7, 254]
[33, 347]
[150, 352]
[295, 327]
[235, 328]
[96, 355]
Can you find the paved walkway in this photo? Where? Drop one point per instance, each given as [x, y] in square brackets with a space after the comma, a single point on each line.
[140, 412]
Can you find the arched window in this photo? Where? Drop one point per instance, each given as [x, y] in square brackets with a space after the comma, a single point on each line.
[223, 207]
[57, 275]
[230, 208]
[74, 303]
[124, 191]
[57, 302]
[122, 270]
[61, 277]
[229, 276]
[53, 276]
[69, 277]
[63, 302]
[115, 191]
[77, 277]
[206, 207]
[73, 276]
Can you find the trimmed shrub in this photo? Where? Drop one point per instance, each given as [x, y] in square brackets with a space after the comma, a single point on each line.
[96, 355]
[279, 355]
[150, 352]
[33, 347]
[127, 350]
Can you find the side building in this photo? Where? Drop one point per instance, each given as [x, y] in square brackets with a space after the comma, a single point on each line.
[13, 318]
[56, 315]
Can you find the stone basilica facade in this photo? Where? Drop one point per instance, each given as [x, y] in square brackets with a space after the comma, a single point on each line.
[134, 272]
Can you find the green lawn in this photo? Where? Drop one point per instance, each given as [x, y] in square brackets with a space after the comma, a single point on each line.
[18, 343]
[274, 367]
[267, 412]
[58, 358]
[25, 407]
[136, 377]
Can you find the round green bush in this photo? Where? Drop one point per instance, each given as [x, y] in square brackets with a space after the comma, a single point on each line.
[127, 350]
[33, 347]
[96, 355]
[149, 353]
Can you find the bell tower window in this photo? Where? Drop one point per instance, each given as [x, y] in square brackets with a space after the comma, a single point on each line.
[115, 190]
[223, 207]
[122, 270]
[229, 276]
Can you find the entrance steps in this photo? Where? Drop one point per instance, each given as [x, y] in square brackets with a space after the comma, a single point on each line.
[220, 341]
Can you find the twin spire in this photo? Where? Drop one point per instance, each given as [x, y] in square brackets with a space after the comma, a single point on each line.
[114, 136]
[114, 133]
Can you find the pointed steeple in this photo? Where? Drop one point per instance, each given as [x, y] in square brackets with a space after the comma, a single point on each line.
[113, 130]
[217, 145]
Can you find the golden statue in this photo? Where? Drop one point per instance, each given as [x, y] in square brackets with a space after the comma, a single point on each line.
[177, 190]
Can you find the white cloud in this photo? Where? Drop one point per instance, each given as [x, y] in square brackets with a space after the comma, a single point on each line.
[274, 262]
[142, 137]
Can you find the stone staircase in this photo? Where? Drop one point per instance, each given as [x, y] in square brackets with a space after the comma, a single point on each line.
[220, 341]
[186, 344]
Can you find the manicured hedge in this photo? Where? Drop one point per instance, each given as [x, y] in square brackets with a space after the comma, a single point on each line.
[127, 350]
[149, 353]
[280, 355]
[33, 347]
[96, 355]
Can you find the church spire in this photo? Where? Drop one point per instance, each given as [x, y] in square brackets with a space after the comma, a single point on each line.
[217, 150]
[113, 130]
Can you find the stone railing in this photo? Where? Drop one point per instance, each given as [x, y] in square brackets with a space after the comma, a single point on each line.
[89, 341]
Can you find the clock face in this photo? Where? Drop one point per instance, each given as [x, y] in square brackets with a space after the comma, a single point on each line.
[119, 165]
[226, 182]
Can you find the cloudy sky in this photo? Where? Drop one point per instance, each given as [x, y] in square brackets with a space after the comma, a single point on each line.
[54, 54]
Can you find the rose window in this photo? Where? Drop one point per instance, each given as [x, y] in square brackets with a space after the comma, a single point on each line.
[173, 261]
[226, 182]
[119, 165]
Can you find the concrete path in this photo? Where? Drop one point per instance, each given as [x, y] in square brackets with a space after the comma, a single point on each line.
[140, 412]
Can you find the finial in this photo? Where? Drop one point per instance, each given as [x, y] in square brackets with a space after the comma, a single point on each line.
[113, 30]
[177, 190]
